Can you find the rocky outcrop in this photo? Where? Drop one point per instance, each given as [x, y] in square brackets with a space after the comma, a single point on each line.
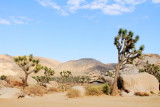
[6, 92]
[142, 82]
[129, 69]
[150, 58]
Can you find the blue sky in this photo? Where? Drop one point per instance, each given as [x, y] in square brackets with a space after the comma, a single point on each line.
[72, 29]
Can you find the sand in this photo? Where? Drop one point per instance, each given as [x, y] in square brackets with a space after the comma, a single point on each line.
[60, 100]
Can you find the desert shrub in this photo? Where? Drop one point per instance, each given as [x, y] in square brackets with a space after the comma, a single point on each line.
[53, 89]
[3, 77]
[142, 94]
[152, 92]
[106, 89]
[42, 79]
[73, 93]
[36, 90]
[152, 69]
[94, 90]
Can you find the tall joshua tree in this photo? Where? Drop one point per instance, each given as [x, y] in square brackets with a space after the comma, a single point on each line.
[28, 65]
[127, 52]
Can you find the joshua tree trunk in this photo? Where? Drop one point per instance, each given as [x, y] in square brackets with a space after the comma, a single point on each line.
[25, 80]
[114, 86]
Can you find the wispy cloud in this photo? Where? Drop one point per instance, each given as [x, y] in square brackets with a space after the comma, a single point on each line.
[15, 20]
[156, 1]
[4, 21]
[53, 5]
[109, 7]
[20, 19]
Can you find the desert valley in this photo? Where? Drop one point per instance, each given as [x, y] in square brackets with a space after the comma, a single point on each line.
[55, 92]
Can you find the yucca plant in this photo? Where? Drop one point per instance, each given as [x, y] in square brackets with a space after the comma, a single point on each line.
[125, 44]
[28, 65]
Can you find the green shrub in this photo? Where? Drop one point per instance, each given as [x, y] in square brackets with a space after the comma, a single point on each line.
[94, 90]
[152, 69]
[3, 77]
[106, 89]
[152, 92]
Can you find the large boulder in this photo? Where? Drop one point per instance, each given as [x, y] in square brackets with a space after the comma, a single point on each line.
[129, 69]
[6, 92]
[108, 79]
[31, 81]
[142, 82]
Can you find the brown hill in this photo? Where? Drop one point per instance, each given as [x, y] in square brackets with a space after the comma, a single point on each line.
[9, 67]
[83, 66]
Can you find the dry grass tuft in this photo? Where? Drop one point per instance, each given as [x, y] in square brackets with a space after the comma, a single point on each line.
[53, 89]
[142, 93]
[73, 93]
[36, 90]
[94, 90]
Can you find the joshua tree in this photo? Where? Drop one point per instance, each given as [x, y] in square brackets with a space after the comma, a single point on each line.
[66, 74]
[48, 73]
[127, 52]
[28, 65]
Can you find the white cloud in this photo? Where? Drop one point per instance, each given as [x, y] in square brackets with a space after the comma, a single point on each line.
[4, 21]
[15, 20]
[74, 4]
[109, 7]
[20, 19]
[53, 5]
[116, 9]
[156, 1]
[49, 3]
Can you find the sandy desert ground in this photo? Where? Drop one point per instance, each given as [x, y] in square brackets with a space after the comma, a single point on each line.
[60, 100]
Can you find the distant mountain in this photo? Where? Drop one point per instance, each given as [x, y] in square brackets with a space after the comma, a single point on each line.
[9, 67]
[77, 67]
[83, 66]
[48, 62]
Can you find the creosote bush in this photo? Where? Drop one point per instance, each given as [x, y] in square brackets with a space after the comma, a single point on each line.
[106, 89]
[73, 93]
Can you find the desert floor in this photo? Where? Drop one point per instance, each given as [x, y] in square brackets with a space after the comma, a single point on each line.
[60, 100]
